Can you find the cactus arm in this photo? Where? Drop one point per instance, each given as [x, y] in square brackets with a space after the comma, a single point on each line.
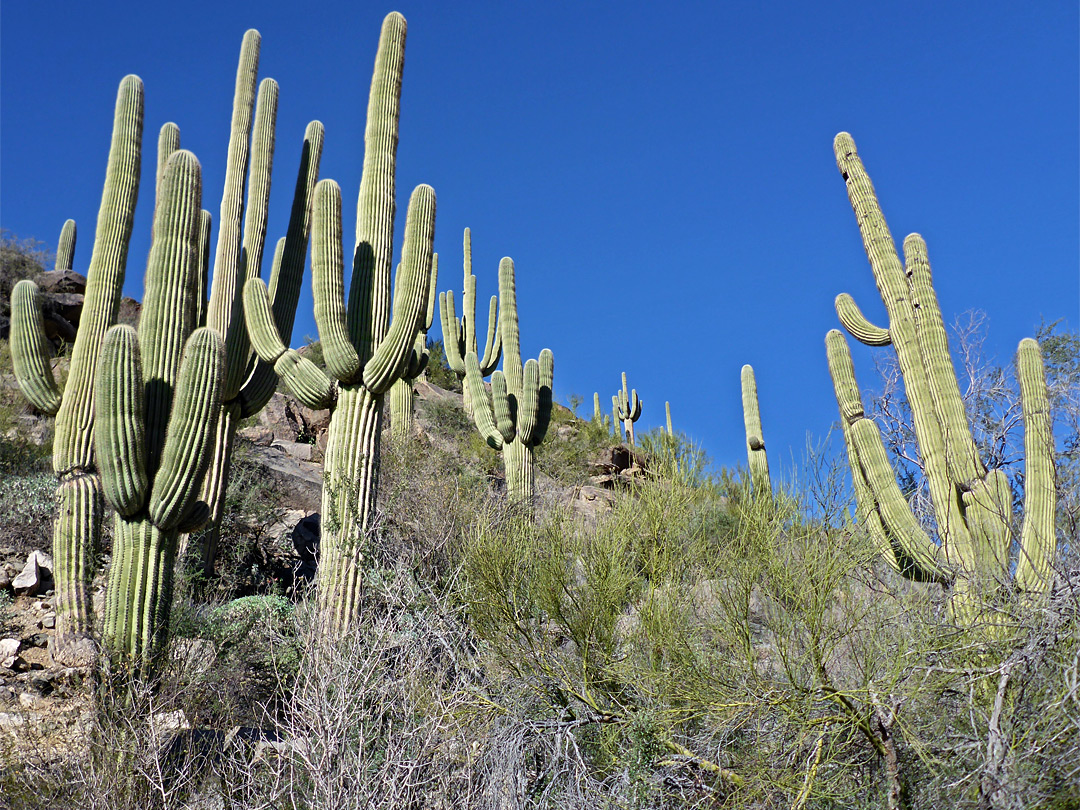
[529, 403]
[468, 300]
[189, 442]
[483, 414]
[120, 431]
[508, 326]
[328, 285]
[73, 445]
[615, 418]
[1037, 537]
[386, 364]
[882, 507]
[300, 375]
[227, 274]
[451, 327]
[493, 343]
[755, 441]
[433, 281]
[369, 293]
[206, 221]
[505, 406]
[546, 381]
[857, 325]
[169, 306]
[30, 349]
[667, 412]
[65, 248]
[168, 142]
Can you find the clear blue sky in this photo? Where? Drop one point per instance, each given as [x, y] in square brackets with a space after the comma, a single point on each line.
[664, 179]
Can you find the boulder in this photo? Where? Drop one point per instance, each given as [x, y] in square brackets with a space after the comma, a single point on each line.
[34, 575]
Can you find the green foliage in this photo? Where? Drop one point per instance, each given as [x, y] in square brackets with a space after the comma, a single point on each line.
[19, 259]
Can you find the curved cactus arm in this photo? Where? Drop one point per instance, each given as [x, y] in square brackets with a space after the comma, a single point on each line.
[30, 353]
[189, 443]
[857, 325]
[429, 308]
[1038, 539]
[328, 285]
[882, 506]
[65, 248]
[755, 439]
[386, 364]
[505, 407]
[483, 415]
[287, 270]
[120, 432]
[302, 377]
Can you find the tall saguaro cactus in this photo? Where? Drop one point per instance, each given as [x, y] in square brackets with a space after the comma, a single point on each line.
[629, 409]
[402, 392]
[459, 335]
[972, 505]
[516, 417]
[755, 441]
[158, 395]
[76, 530]
[365, 351]
[249, 383]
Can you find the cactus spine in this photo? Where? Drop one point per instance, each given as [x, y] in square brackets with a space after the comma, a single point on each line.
[459, 335]
[364, 351]
[401, 392]
[755, 441]
[515, 419]
[158, 394]
[238, 257]
[972, 505]
[629, 409]
[76, 530]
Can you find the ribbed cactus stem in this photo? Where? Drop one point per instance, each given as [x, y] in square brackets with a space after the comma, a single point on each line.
[755, 441]
[402, 393]
[65, 248]
[597, 413]
[667, 414]
[1038, 540]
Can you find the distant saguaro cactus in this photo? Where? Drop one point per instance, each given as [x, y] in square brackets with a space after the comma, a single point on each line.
[755, 439]
[515, 418]
[459, 334]
[629, 409]
[972, 505]
[77, 528]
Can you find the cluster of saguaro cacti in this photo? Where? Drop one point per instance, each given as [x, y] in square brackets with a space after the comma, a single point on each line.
[249, 381]
[77, 527]
[755, 439]
[364, 351]
[627, 408]
[515, 419]
[402, 392]
[158, 395]
[459, 334]
[972, 505]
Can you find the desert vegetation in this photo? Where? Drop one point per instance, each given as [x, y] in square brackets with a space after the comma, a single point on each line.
[260, 595]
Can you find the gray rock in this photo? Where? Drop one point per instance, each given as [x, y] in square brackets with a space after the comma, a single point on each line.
[35, 573]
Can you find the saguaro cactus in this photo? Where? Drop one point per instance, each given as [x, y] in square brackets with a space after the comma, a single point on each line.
[629, 409]
[158, 398]
[65, 248]
[459, 335]
[249, 382]
[364, 351]
[402, 392]
[515, 419]
[755, 441]
[616, 422]
[76, 530]
[972, 505]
